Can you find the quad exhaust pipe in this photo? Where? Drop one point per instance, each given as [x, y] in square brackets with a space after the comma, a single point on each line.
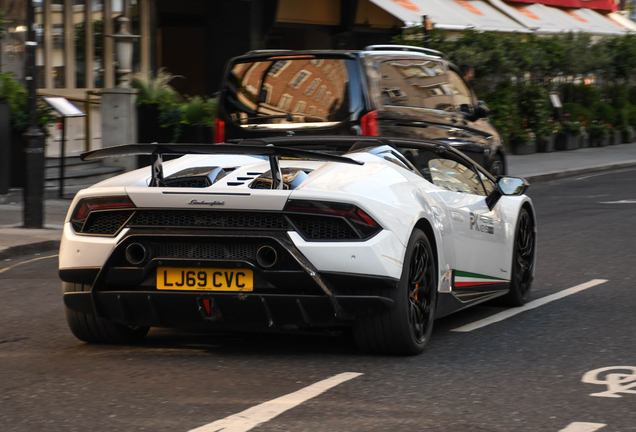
[266, 256]
[136, 253]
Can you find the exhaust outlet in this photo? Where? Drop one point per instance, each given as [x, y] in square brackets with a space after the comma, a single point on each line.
[266, 256]
[136, 253]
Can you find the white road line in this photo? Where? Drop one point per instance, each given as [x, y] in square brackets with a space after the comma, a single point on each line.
[252, 417]
[533, 304]
[583, 427]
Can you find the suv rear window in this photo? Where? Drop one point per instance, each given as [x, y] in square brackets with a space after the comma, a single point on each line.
[288, 92]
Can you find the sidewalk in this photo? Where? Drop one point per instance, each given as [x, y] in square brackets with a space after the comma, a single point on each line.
[538, 167]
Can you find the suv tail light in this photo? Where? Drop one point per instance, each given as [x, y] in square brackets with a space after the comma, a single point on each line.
[357, 218]
[88, 205]
[369, 124]
[219, 131]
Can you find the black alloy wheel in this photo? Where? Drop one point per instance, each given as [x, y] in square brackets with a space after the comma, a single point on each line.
[407, 327]
[522, 261]
[420, 291]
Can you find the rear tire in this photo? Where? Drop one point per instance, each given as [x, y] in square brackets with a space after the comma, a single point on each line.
[92, 329]
[407, 327]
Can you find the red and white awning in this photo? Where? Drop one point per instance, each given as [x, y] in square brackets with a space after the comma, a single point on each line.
[507, 16]
[453, 14]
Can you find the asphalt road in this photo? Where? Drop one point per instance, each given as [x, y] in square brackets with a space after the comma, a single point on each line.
[520, 374]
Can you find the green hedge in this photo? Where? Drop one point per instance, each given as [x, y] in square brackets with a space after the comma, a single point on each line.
[514, 75]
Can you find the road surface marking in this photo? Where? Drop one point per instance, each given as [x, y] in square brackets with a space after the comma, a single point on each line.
[619, 202]
[623, 380]
[252, 417]
[583, 427]
[26, 262]
[533, 304]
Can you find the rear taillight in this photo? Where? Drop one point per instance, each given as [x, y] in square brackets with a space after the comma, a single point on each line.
[359, 219]
[88, 205]
[369, 124]
[219, 131]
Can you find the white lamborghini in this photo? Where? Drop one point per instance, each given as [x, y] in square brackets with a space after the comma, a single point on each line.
[295, 234]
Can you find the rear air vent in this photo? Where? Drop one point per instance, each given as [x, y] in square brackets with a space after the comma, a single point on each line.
[199, 177]
[208, 219]
[292, 178]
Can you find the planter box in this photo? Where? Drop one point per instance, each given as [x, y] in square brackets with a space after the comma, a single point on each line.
[567, 142]
[521, 149]
[628, 135]
[195, 135]
[547, 145]
[584, 141]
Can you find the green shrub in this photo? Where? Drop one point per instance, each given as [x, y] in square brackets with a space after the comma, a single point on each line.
[504, 111]
[534, 110]
[631, 114]
[156, 90]
[618, 96]
[12, 92]
[604, 112]
[598, 131]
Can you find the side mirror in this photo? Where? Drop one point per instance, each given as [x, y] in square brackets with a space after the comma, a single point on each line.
[510, 186]
[482, 110]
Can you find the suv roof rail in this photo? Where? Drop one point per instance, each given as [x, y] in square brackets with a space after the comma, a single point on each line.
[265, 51]
[405, 48]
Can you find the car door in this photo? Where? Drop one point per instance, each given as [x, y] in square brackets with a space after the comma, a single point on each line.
[482, 259]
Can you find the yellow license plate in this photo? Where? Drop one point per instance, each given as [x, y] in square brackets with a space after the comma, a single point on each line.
[204, 279]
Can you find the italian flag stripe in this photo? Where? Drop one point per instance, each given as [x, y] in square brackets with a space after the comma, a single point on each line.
[464, 279]
[475, 276]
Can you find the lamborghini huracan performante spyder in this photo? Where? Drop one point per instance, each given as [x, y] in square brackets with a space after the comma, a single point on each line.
[295, 234]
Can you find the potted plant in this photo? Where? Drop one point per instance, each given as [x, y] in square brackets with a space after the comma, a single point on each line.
[158, 104]
[604, 114]
[16, 97]
[568, 136]
[523, 141]
[197, 121]
[598, 134]
[534, 109]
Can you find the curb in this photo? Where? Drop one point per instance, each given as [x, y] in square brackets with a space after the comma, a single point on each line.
[541, 178]
[29, 248]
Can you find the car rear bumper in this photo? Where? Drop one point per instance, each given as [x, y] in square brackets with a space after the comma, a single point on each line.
[224, 310]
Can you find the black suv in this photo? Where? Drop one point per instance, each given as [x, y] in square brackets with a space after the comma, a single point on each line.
[388, 90]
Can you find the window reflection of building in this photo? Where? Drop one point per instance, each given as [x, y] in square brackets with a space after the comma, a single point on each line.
[424, 84]
[297, 84]
[455, 176]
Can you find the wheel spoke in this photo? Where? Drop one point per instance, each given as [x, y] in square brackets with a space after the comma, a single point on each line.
[421, 284]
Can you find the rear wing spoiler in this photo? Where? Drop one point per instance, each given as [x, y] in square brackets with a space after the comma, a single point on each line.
[156, 151]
